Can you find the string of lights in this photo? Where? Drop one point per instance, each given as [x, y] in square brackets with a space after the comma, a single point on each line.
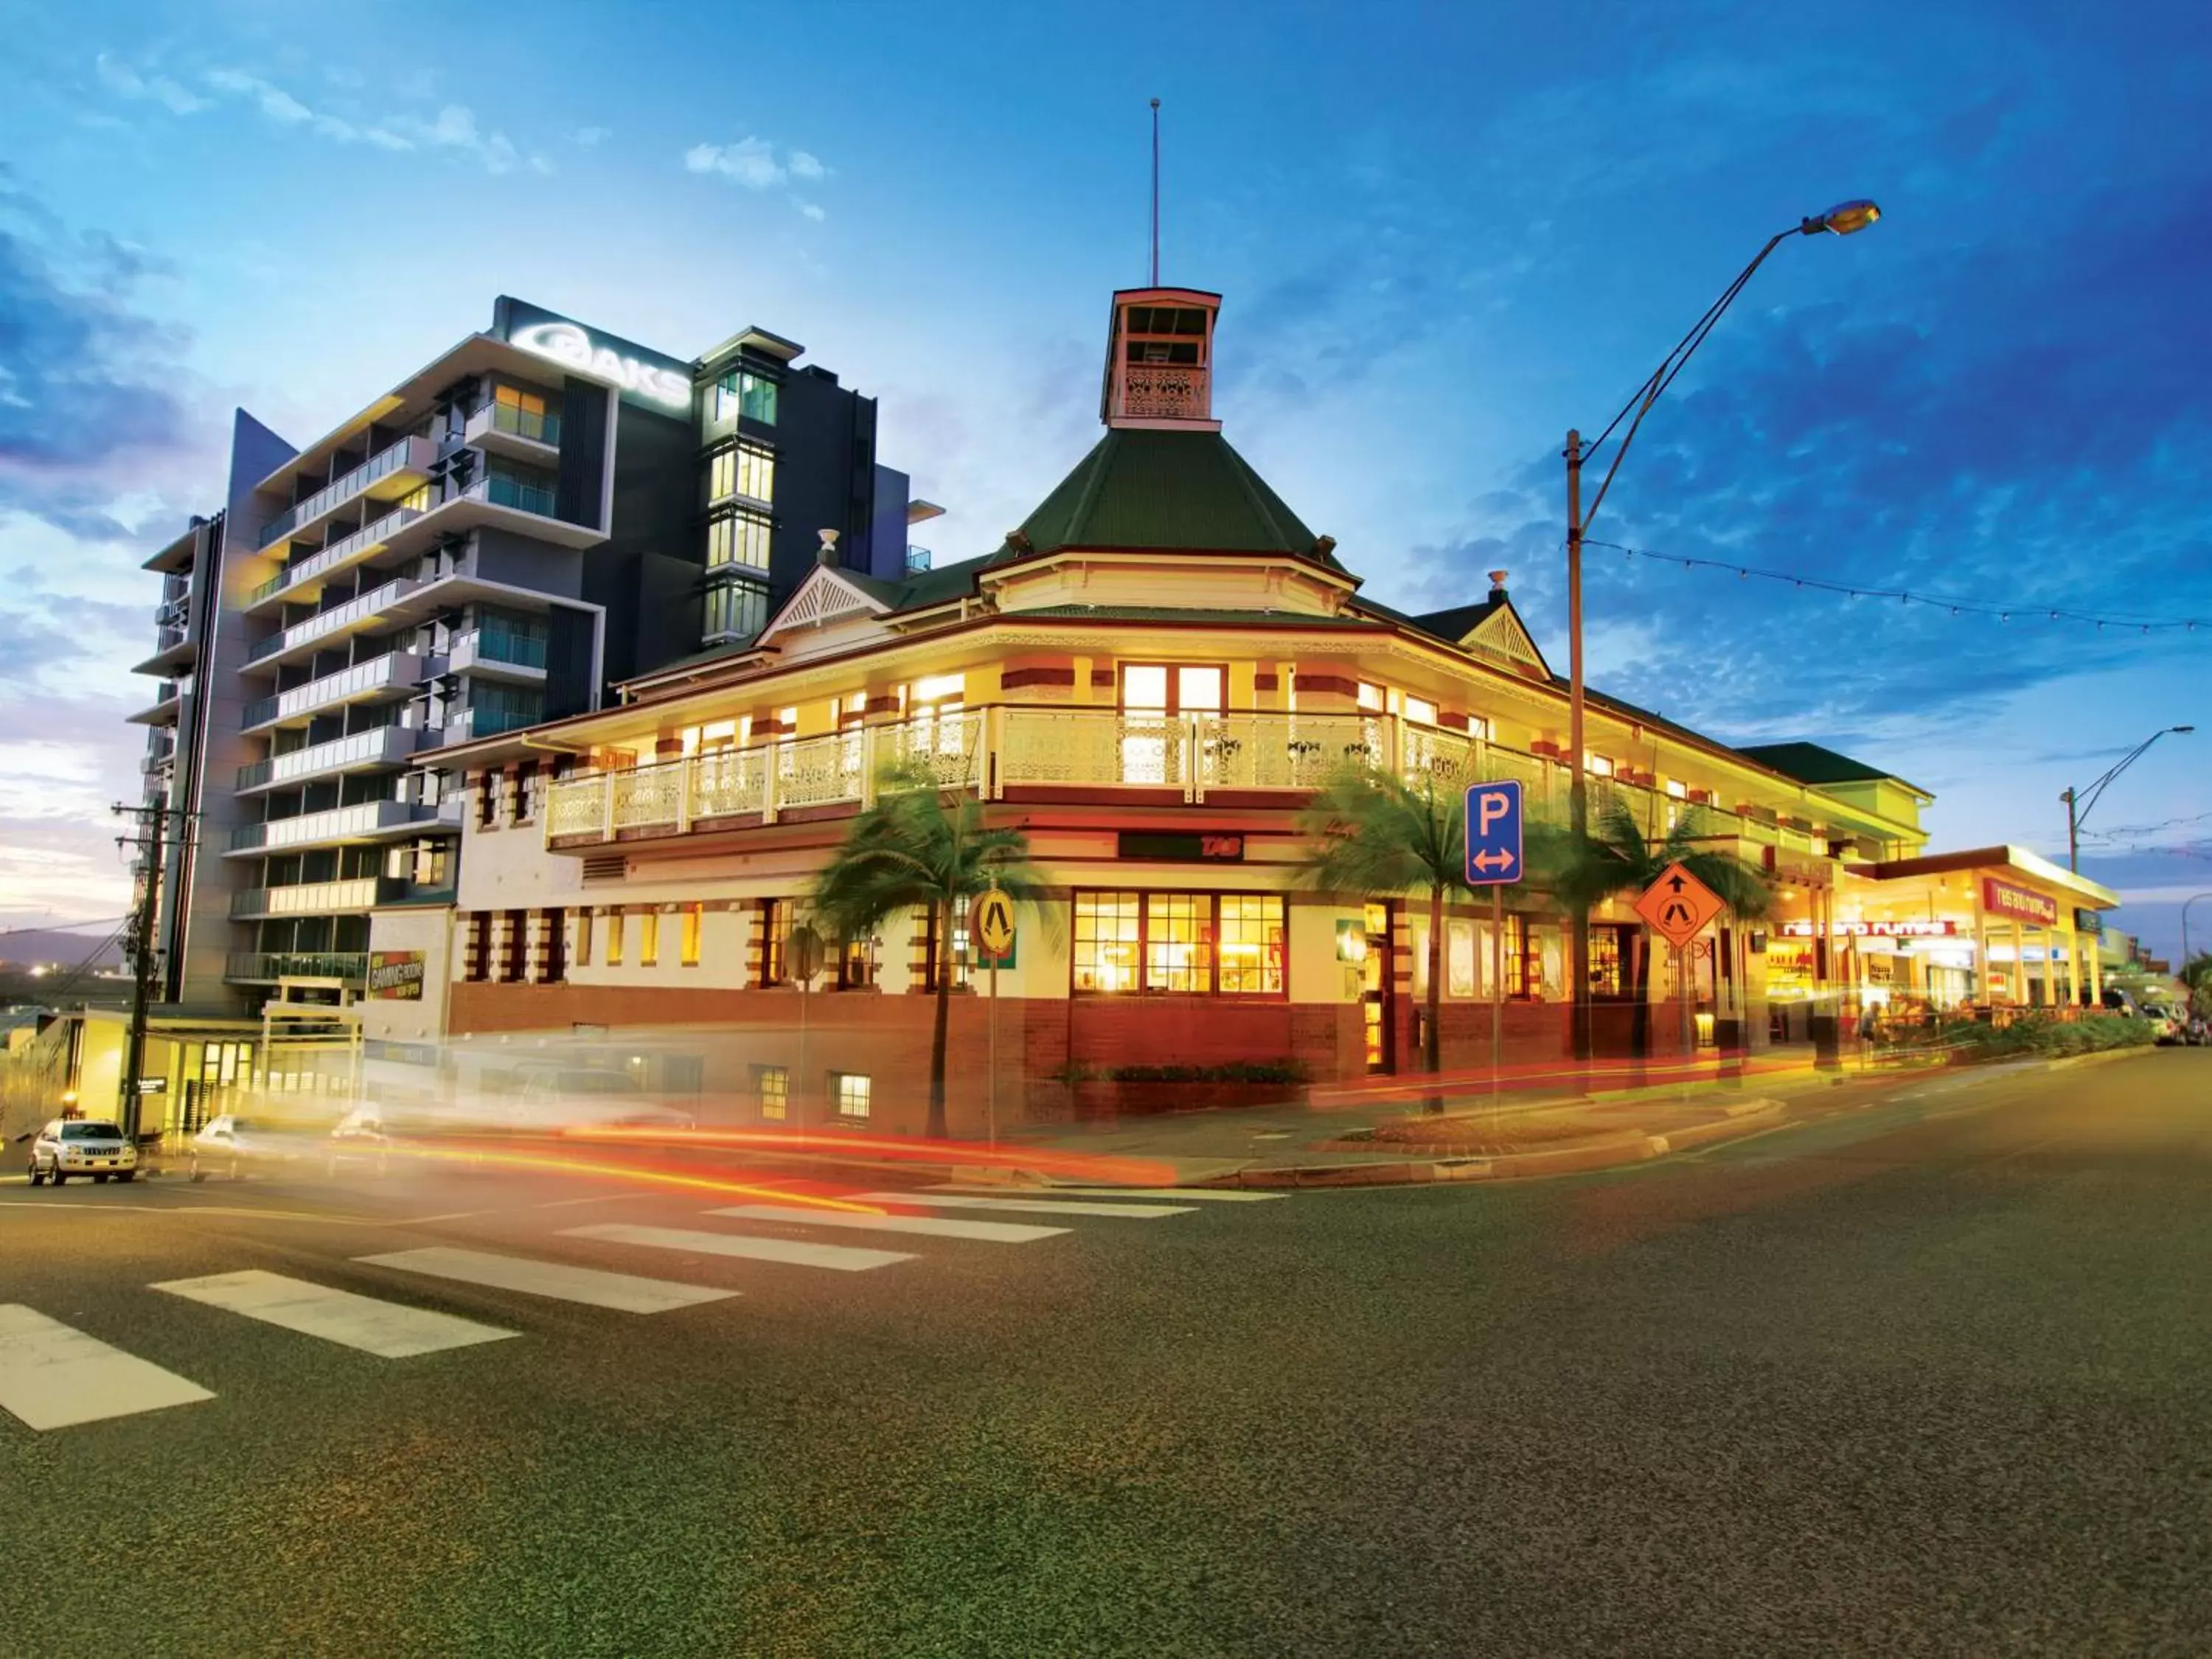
[1957, 606]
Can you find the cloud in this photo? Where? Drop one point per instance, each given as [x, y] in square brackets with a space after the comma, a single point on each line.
[754, 164]
[456, 129]
[160, 88]
[87, 380]
[589, 137]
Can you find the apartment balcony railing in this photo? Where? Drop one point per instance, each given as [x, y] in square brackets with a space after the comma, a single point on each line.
[356, 612]
[408, 455]
[497, 647]
[387, 745]
[359, 544]
[502, 491]
[335, 826]
[496, 420]
[395, 671]
[318, 898]
[265, 966]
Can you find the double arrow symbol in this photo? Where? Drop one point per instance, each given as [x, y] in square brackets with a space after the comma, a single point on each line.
[1488, 861]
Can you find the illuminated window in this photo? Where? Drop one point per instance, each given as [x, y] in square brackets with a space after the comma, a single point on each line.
[849, 1091]
[1522, 967]
[856, 963]
[1678, 789]
[584, 937]
[744, 471]
[1419, 709]
[776, 935]
[1107, 934]
[926, 919]
[1371, 697]
[772, 1084]
[614, 938]
[648, 939]
[735, 611]
[739, 393]
[1178, 942]
[1251, 947]
[687, 949]
[739, 537]
[1606, 954]
[1598, 766]
[941, 688]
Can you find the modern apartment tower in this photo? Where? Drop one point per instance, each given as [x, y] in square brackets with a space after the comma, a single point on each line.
[541, 512]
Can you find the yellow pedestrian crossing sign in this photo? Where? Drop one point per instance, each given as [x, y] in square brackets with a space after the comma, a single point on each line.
[991, 926]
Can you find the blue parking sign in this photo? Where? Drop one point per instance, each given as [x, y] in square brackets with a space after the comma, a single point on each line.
[1493, 833]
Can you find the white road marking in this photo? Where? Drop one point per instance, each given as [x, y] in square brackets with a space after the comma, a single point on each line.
[384, 1328]
[795, 1252]
[990, 1232]
[624, 1293]
[51, 1376]
[1031, 1206]
[1207, 1195]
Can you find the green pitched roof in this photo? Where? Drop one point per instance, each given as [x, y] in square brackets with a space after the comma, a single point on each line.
[1808, 763]
[1140, 489]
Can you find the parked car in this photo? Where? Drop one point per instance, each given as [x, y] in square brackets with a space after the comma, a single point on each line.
[93, 1146]
[236, 1145]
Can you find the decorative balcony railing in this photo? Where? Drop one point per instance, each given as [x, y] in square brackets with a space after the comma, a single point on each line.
[1164, 392]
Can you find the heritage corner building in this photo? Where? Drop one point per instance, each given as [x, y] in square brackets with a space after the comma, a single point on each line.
[1148, 677]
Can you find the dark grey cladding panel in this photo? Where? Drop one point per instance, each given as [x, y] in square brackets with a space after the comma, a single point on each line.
[503, 555]
[579, 485]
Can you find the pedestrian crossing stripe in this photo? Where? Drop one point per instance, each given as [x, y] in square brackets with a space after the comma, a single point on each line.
[932, 1227]
[1033, 1206]
[623, 1292]
[386, 1329]
[795, 1252]
[54, 1377]
[1180, 1194]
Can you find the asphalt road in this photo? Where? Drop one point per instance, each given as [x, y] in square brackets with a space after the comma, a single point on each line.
[1929, 1376]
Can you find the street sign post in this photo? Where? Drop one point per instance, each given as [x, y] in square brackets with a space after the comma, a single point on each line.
[991, 936]
[1493, 833]
[1493, 860]
[1678, 905]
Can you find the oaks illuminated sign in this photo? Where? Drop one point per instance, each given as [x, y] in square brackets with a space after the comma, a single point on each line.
[565, 344]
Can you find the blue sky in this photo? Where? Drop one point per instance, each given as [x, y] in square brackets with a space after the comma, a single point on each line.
[1445, 234]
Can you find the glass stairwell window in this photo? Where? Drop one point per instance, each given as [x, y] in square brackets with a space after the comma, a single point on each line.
[746, 469]
[740, 538]
[742, 392]
[735, 611]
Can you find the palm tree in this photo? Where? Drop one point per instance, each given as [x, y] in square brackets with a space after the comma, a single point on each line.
[1376, 835]
[912, 849]
[1617, 856]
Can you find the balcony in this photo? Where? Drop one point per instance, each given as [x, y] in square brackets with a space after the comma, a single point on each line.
[392, 470]
[502, 429]
[1169, 391]
[364, 751]
[293, 580]
[266, 967]
[379, 676]
[318, 898]
[338, 826]
[168, 699]
[357, 614]
[498, 653]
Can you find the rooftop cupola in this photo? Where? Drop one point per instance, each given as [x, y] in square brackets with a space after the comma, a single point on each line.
[1159, 361]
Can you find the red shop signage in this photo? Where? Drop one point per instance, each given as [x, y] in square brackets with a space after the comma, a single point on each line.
[2001, 899]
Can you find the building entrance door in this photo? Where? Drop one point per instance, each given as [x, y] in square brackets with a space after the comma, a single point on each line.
[1376, 1005]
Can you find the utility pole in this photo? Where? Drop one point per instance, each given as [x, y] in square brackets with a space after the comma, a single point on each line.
[141, 959]
[1578, 1009]
[2073, 836]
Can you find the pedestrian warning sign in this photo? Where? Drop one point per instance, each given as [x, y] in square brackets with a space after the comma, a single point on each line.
[991, 926]
[1678, 905]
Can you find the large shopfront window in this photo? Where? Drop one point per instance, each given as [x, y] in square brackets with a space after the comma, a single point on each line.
[1186, 944]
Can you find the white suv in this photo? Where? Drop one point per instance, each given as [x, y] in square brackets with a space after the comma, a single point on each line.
[71, 1146]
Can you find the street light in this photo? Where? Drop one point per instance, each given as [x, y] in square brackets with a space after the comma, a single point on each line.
[1841, 219]
[2185, 903]
[2078, 802]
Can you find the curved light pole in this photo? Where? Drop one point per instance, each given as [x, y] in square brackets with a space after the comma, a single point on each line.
[2078, 802]
[2185, 903]
[1840, 221]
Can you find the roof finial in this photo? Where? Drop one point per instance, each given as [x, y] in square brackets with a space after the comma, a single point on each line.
[1156, 192]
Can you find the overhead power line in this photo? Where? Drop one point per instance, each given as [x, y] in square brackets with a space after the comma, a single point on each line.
[2023, 611]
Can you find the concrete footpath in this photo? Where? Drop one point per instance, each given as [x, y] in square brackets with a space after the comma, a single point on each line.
[1475, 1138]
